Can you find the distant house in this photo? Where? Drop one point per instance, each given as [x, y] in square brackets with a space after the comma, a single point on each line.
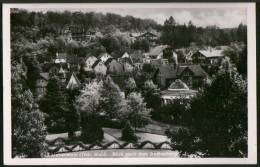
[73, 82]
[209, 57]
[120, 81]
[157, 51]
[156, 63]
[89, 63]
[75, 32]
[41, 84]
[60, 58]
[193, 75]
[165, 75]
[104, 57]
[73, 62]
[126, 58]
[151, 37]
[177, 90]
[93, 34]
[128, 68]
[137, 59]
[114, 67]
[99, 68]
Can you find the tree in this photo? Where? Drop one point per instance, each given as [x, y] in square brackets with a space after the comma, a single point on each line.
[175, 112]
[55, 105]
[89, 107]
[128, 133]
[141, 45]
[136, 113]
[242, 63]
[220, 122]
[28, 129]
[151, 95]
[130, 85]
[72, 117]
[110, 99]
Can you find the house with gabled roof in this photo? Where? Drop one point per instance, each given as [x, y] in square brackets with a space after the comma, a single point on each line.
[99, 68]
[177, 90]
[60, 58]
[114, 67]
[193, 75]
[74, 82]
[126, 58]
[157, 51]
[90, 60]
[209, 56]
[165, 74]
[104, 57]
[151, 37]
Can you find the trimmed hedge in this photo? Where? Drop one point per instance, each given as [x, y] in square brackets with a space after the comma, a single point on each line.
[62, 148]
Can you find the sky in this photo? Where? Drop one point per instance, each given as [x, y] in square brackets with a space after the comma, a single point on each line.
[221, 17]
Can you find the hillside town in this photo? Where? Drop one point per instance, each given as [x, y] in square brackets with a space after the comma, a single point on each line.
[87, 82]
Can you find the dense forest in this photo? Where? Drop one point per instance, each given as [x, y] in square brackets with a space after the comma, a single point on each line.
[53, 23]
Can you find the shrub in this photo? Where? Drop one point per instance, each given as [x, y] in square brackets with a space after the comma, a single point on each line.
[128, 133]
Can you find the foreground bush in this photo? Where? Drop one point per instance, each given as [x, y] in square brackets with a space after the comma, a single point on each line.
[128, 133]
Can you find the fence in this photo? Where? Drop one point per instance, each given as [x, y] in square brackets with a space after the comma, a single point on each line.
[59, 146]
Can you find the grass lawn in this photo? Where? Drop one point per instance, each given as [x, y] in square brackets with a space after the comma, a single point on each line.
[111, 134]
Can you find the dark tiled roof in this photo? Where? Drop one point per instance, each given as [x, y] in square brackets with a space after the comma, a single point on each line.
[119, 80]
[181, 69]
[197, 70]
[115, 68]
[96, 63]
[168, 71]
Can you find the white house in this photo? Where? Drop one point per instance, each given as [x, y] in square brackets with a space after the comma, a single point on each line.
[99, 67]
[60, 58]
[89, 63]
[73, 82]
[177, 90]
[104, 57]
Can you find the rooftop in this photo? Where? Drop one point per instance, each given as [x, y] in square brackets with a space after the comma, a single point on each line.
[212, 53]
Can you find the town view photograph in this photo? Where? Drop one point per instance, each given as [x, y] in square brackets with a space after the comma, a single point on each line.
[130, 82]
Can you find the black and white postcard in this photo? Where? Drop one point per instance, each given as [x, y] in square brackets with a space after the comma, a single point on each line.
[146, 83]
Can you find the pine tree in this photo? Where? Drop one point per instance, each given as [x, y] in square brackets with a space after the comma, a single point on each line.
[128, 133]
[55, 105]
